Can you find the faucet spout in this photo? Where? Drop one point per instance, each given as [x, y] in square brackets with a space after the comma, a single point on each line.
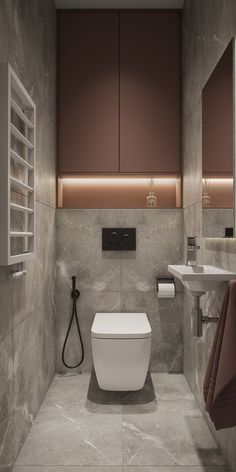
[192, 248]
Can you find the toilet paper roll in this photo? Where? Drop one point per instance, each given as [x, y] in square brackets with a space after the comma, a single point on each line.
[166, 290]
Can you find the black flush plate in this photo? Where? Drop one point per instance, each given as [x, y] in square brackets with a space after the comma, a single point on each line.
[118, 239]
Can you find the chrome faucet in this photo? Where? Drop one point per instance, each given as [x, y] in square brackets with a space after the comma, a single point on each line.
[192, 251]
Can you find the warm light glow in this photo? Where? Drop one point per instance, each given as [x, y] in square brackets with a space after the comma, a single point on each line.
[116, 181]
[219, 180]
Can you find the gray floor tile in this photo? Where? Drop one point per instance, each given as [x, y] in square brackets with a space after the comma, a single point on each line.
[73, 440]
[171, 387]
[82, 394]
[61, 468]
[160, 392]
[104, 468]
[82, 428]
[175, 468]
[140, 401]
[168, 437]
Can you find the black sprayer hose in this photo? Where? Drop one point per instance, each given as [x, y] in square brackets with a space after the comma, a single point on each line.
[74, 295]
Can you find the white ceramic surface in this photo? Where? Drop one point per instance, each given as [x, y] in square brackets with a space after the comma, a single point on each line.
[121, 357]
[201, 278]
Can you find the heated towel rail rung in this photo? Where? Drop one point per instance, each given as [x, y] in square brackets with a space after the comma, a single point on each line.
[20, 160]
[21, 114]
[21, 185]
[18, 135]
[15, 258]
[24, 209]
[21, 234]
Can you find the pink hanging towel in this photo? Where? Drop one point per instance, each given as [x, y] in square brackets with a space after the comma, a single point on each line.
[220, 380]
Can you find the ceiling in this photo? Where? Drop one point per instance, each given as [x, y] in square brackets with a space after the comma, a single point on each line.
[165, 4]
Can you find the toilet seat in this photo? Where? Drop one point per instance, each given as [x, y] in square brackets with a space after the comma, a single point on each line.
[121, 326]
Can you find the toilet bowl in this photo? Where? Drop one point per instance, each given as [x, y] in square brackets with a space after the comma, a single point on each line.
[121, 346]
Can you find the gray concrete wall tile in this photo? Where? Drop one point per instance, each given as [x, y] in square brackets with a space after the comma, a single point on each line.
[87, 305]
[115, 281]
[27, 333]
[207, 29]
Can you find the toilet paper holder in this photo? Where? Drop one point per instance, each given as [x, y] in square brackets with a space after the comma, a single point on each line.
[160, 279]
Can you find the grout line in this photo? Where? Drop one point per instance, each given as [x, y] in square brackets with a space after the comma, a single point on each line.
[45, 204]
[89, 291]
[191, 204]
[27, 316]
[20, 322]
[114, 291]
[121, 430]
[121, 272]
[78, 466]
[126, 466]
[110, 209]
[119, 64]
[174, 467]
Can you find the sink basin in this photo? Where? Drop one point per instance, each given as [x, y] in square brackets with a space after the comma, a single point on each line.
[200, 279]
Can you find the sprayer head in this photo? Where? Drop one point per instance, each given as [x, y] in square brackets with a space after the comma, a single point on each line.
[75, 293]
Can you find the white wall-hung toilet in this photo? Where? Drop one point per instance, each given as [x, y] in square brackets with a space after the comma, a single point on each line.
[121, 346]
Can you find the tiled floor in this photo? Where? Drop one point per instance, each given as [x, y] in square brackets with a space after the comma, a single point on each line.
[82, 429]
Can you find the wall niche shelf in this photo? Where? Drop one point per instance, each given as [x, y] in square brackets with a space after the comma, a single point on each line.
[17, 169]
[118, 191]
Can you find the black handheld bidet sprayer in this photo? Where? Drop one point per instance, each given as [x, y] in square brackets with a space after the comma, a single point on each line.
[74, 295]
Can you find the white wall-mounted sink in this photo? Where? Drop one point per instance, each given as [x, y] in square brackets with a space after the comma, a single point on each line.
[201, 279]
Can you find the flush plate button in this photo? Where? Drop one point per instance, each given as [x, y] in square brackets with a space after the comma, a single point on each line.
[118, 239]
[114, 237]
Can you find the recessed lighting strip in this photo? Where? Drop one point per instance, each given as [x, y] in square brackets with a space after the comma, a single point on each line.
[116, 181]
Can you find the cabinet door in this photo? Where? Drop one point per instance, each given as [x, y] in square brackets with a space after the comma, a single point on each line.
[88, 92]
[150, 92]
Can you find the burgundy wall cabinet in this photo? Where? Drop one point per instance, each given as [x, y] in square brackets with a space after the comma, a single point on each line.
[119, 92]
[150, 92]
[88, 128]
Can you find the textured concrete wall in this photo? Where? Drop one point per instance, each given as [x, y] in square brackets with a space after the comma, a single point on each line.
[215, 220]
[208, 26]
[113, 281]
[27, 41]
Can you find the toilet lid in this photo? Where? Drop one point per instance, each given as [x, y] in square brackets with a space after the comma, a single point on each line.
[121, 325]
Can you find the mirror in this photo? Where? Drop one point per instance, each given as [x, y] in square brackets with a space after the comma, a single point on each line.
[218, 209]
